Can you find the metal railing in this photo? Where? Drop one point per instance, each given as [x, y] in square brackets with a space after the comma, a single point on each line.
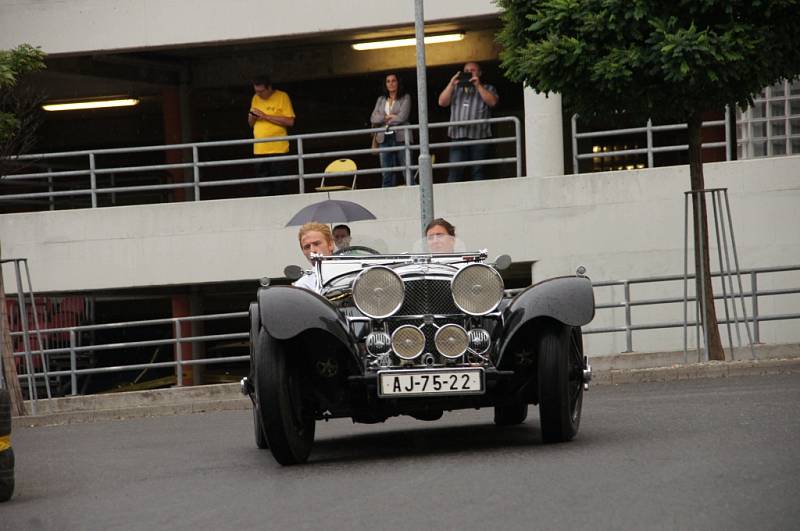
[194, 163]
[178, 363]
[651, 149]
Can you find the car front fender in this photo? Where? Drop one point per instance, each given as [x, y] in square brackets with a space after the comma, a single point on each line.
[287, 311]
[569, 300]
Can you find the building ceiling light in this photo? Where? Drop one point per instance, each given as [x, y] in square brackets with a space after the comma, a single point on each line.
[410, 41]
[91, 104]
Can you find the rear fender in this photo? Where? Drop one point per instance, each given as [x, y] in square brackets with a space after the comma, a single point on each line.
[569, 300]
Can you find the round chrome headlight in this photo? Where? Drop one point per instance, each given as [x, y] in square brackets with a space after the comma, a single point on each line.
[477, 289]
[479, 340]
[378, 343]
[451, 341]
[378, 292]
[408, 342]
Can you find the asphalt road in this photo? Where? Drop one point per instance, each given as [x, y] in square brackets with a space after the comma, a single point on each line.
[699, 454]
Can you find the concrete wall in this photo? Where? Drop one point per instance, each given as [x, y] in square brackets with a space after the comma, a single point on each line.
[79, 26]
[617, 224]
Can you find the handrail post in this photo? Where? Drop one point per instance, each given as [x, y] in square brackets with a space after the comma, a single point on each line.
[518, 145]
[73, 364]
[754, 299]
[196, 172]
[407, 154]
[574, 122]
[301, 183]
[178, 353]
[93, 179]
[628, 331]
[728, 135]
[649, 143]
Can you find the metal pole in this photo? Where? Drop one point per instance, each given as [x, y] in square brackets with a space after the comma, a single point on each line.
[628, 331]
[686, 278]
[649, 143]
[178, 354]
[574, 122]
[51, 200]
[728, 136]
[196, 172]
[42, 355]
[754, 299]
[93, 180]
[738, 273]
[727, 273]
[700, 217]
[407, 155]
[722, 273]
[300, 167]
[518, 146]
[73, 364]
[26, 340]
[425, 171]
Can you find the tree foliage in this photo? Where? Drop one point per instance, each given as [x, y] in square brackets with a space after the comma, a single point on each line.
[15, 102]
[650, 58]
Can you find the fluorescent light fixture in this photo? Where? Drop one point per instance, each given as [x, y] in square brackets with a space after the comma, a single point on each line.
[94, 104]
[411, 41]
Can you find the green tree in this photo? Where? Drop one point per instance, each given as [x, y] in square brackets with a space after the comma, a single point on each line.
[19, 113]
[18, 109]
[650, 58]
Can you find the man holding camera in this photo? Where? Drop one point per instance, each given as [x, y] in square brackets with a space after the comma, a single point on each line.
[270, 114]
[468, 99]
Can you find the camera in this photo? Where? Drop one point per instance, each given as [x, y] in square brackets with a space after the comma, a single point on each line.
[463, 79]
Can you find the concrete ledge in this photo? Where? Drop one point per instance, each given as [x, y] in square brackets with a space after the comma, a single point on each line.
[608, 370]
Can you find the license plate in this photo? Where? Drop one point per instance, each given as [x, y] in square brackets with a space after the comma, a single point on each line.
[421, 382]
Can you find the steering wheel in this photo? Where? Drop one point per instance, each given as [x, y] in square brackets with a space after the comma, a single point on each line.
[355, 250]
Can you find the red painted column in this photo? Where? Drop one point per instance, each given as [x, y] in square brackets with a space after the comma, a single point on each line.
[181, 307]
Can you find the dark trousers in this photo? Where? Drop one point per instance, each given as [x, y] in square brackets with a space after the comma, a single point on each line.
[272, 168]
[467, 153]
[391, 159]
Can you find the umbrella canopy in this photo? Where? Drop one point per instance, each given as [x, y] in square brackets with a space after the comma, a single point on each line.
[331, 211]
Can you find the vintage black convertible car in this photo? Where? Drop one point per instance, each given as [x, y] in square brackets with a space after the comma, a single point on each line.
[414, 334]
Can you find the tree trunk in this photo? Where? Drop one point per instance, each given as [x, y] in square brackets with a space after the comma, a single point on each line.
[9, 368]
[700, 228]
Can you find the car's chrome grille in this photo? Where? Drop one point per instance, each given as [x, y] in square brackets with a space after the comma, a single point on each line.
[425, 297]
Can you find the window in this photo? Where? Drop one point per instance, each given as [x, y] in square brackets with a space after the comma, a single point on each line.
[771, 127]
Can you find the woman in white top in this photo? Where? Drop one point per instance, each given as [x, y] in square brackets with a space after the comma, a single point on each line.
[392, 108]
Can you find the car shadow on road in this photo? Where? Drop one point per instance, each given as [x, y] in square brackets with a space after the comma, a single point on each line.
[426, 441]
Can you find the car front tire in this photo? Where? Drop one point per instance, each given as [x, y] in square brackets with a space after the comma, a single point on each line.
[286, 417]
[560, 383]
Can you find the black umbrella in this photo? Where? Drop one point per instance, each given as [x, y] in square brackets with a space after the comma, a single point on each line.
[331, 211]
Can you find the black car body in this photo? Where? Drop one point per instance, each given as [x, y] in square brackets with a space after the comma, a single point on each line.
[414, 334]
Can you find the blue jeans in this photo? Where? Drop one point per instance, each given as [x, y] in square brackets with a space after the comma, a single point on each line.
[390, 159]
[466, 153]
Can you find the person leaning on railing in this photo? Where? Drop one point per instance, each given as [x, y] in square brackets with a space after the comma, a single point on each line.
[270, 114]
[469, 99]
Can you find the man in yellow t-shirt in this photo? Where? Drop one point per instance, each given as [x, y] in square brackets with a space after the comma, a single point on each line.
[270, 114]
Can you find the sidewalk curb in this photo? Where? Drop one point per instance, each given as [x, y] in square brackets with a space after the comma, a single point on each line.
[226, 397]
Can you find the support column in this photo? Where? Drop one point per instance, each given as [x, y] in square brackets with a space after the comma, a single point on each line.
[181, 307]
[544, 141]
[173, 134]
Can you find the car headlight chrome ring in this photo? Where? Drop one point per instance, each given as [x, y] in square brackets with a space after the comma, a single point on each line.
[408, 342]
[451, 341]
[378, 292]
[479, 340]
[477, 289]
